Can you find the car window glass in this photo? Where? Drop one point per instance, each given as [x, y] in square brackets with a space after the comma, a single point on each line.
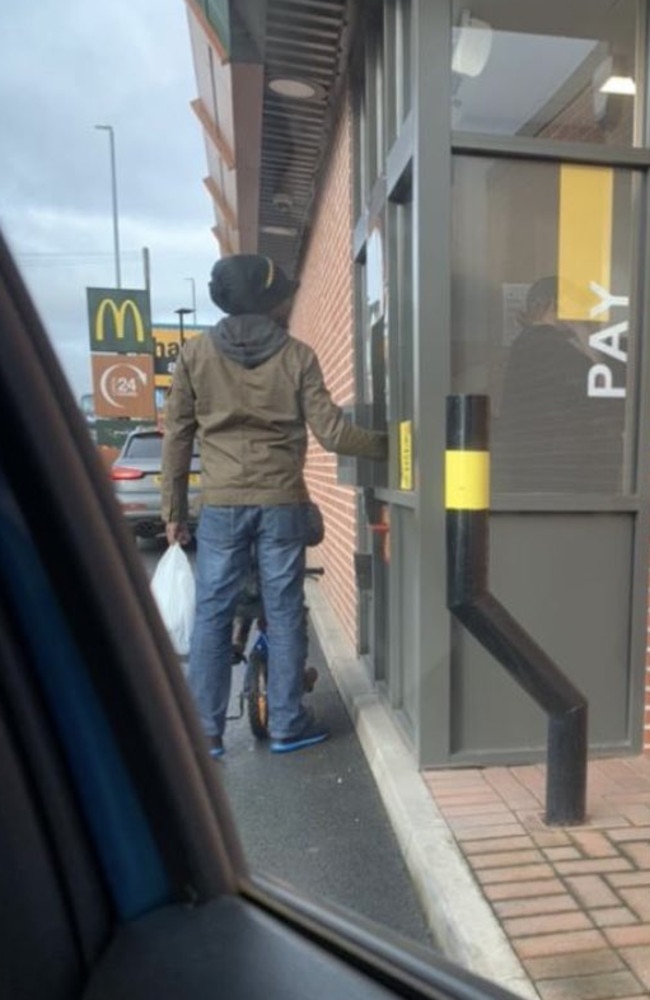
[146, 446]
[103, 206]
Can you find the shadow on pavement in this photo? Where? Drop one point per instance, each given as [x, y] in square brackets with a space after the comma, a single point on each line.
[315, 818]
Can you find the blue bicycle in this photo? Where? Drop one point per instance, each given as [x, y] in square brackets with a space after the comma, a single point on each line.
[253, 697]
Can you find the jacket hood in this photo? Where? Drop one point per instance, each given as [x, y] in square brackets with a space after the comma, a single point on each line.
[250, 340]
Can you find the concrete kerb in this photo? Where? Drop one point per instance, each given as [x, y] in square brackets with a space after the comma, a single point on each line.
[459, 917]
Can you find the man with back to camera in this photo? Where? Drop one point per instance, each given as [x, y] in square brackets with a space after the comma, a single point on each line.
[248, 390]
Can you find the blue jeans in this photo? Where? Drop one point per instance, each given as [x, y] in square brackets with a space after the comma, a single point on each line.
[224, 540]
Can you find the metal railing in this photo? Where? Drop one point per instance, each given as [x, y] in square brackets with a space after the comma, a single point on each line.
[469, 600]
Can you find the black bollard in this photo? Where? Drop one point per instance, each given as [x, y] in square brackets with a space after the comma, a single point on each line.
[468, 598]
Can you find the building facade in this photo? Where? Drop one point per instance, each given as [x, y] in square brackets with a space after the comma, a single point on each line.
[463, 194]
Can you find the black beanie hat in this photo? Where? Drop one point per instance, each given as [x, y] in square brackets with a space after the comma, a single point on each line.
[249, 283]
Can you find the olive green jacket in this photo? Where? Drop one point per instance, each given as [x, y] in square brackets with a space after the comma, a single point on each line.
[248, 391]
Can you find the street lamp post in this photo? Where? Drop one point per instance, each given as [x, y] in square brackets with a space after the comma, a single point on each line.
[116, 231]
[181, 313]
[193, 286]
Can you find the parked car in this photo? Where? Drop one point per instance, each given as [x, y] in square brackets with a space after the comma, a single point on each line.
[136, 478]
[122, 875]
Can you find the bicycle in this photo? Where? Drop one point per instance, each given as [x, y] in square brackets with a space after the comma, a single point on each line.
[253, 695]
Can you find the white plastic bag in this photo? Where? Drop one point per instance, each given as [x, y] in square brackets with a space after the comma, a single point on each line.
[173, 588]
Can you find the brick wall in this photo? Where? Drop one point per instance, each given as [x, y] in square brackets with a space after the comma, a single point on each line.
[323, 317]
[646, 714]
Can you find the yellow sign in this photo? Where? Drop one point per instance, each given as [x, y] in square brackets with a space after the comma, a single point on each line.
[467, 480]
[585, 239]
[119, 320]
[194, 479]
[119, 314]
[166, 348]
[406, 455]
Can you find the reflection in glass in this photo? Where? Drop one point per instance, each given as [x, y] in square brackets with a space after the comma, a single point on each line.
[540, 320]
[560, 421]
[554, 70]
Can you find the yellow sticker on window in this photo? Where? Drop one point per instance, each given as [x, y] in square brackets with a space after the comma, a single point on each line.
[585, 240]
[406, 455]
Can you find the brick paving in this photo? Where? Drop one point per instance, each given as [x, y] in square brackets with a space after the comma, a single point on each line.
[574, 902]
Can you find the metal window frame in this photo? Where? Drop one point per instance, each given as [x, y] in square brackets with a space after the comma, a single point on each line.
[424, 146]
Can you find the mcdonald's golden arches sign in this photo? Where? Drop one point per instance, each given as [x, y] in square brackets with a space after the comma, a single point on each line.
[119, 321]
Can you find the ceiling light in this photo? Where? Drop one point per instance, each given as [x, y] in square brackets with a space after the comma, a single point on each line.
[613, 77]
[279, 231]
[619, 85]
[473, 45]
[302, 90]
[282, 201]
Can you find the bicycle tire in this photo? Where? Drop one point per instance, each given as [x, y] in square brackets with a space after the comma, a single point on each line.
[256, 696]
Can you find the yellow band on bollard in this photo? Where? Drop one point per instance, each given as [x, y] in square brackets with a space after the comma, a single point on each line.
[467, 480]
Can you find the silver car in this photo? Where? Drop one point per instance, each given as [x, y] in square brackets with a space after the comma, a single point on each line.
[136, 478]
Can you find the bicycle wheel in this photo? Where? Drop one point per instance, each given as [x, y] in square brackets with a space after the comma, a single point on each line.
[258, 708]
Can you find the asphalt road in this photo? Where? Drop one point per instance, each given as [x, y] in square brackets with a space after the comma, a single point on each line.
[314, 819]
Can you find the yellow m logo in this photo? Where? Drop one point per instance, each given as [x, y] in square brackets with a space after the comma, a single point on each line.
[119, 314]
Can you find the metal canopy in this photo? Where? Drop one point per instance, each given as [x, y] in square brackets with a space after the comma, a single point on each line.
[304, 41]
[300, 45]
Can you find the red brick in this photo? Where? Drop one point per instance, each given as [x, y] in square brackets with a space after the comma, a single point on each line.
[582, 963]
[611, 986]
[511, 790]
[525, 873]
[603, 866]
[562, 854]
[456, 777]
[629, 879]
[533, 778]
[638, 853]
[607, 820]
[503, 859]
[549, 923]
[593, 844]
[525, 890]
[605, 986]
[639, 815]
[639, 961]
[536, 904]
[497, 816]
[323, 316]
[592, 891]
[478, 810]
[554, 944]
[469, 799]
[614, 916]
[630, 833]
[636, 996]
[639, 901]
[489, 832]
[628, 937]
[550, 838]
[497, 844]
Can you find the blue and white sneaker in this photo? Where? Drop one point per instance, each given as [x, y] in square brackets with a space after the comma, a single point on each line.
[308, 738]
[216, 746]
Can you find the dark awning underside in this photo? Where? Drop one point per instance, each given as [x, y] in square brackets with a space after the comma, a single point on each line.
[279, 158]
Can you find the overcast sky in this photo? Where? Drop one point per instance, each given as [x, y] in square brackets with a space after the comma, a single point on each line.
[66, 66]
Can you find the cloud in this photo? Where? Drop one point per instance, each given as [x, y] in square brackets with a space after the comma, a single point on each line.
[68, 65]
